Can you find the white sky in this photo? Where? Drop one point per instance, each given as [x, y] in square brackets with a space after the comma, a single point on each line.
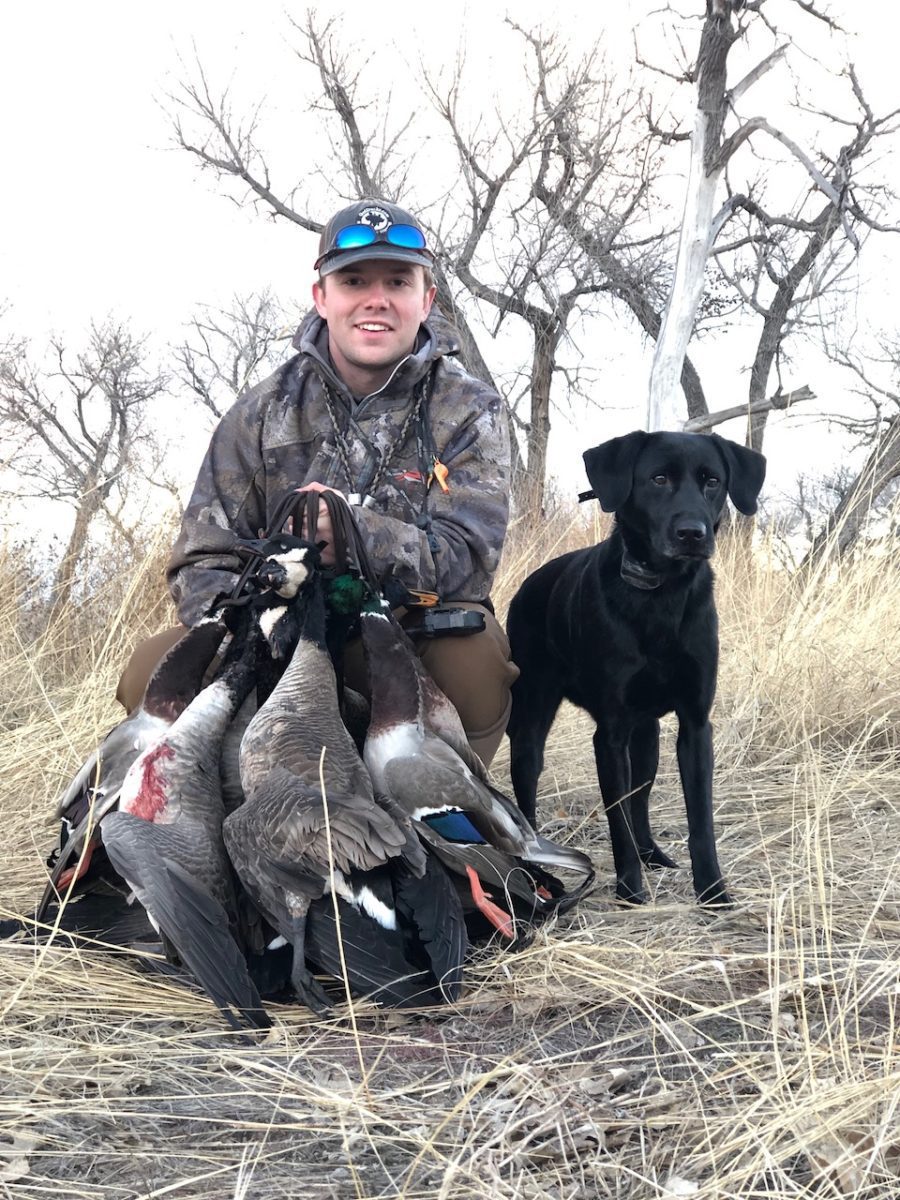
[99, 212]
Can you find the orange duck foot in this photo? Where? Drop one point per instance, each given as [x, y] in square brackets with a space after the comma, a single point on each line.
[497, 916]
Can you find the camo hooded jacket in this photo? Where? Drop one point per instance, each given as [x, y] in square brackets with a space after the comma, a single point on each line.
[279, 435]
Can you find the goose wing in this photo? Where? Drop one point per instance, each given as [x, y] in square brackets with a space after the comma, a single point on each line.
[192, 919]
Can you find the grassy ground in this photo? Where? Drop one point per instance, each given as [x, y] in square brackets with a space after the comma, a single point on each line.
[656, 1052]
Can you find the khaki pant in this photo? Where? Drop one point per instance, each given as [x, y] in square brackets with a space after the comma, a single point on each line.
[475, 672]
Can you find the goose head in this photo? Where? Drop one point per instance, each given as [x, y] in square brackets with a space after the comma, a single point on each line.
[285, 569]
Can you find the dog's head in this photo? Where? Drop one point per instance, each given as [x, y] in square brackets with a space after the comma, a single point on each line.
[669, 489]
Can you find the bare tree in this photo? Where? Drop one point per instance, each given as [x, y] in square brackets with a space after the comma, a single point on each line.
[875, 426]
[77, 430]
[228, 350]
[788, 268]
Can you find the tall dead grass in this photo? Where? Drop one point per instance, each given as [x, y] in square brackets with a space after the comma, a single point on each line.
[657, 1052]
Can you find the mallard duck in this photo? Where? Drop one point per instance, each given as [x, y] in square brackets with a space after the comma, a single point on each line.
[416, 752]
[166, 842]
[311, 823]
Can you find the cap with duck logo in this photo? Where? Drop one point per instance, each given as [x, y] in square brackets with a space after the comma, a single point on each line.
[371, 229]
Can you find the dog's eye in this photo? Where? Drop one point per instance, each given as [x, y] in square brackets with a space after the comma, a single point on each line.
[712, 481]
[660, 480]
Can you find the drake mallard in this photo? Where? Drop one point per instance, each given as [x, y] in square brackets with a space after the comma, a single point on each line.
[417, 754]
[283, 839]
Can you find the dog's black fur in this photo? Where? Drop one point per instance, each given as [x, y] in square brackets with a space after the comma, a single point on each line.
[627, 630]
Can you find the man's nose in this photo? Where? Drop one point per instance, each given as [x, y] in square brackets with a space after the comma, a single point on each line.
[376, 296]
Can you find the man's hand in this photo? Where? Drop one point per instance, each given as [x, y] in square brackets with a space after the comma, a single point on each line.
[324, 531]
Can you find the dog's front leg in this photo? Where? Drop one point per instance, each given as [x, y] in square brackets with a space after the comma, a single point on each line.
[695, 764]
[643, 753]
[614, 775]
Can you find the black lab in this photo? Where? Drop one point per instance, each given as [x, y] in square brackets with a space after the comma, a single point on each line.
[627, 630]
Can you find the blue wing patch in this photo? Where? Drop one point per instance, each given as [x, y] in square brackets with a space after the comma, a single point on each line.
[455, 827]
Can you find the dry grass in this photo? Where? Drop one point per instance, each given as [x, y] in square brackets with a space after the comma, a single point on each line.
[657, 1052]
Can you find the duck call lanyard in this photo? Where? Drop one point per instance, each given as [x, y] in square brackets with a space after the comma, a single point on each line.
[361, 488]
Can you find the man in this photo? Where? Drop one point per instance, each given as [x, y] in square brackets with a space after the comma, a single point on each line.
[373, 406]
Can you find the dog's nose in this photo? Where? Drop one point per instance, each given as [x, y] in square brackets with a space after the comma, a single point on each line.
[689, 533]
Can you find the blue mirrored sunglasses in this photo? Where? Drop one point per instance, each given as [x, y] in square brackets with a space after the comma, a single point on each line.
[351, 237]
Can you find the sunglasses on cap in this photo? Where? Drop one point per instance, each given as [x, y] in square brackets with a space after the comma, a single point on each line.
[355, 237]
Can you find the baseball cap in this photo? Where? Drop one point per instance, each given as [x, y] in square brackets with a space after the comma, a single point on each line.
[371, 229]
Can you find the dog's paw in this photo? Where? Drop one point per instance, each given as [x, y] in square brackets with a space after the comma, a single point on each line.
[715, 896]
[628, 894]
[654, 857]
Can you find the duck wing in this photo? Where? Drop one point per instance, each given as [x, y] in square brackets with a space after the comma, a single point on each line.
[190, 917]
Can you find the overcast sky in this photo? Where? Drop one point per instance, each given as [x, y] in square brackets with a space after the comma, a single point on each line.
[100, 213]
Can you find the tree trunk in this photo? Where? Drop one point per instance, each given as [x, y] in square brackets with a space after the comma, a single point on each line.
[66, 574]
[539, 431]
[697, 231]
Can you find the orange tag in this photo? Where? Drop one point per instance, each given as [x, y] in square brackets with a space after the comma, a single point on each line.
[440, 473]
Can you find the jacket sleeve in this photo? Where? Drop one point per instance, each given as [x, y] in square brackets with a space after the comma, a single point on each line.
[228, 501]
[467, 524]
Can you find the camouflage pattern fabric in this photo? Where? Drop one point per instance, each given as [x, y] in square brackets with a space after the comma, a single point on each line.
[279, 436]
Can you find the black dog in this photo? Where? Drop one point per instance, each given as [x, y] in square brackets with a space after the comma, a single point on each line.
[627, 630]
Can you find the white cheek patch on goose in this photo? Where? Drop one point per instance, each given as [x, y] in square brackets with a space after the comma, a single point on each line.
[294, 563]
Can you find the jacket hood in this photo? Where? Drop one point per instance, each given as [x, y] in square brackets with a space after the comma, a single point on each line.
[437, 339]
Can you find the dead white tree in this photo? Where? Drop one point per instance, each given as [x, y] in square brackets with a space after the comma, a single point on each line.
[712, 149]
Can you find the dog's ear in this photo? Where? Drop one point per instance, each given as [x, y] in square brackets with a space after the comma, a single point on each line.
[610, 468]
[746, 473]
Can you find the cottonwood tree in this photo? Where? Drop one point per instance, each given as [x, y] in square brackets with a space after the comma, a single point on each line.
[78, 429]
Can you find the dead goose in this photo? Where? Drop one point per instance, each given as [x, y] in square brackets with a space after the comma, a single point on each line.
[417, 754]
[282, 840]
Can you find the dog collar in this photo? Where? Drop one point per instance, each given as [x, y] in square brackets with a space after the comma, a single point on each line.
[638, 574]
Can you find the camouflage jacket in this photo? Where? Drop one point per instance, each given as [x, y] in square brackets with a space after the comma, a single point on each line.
[279, 436]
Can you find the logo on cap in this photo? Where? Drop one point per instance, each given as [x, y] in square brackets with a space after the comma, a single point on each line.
[376, 217]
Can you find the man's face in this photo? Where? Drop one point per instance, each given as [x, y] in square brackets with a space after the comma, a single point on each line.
[373, 309]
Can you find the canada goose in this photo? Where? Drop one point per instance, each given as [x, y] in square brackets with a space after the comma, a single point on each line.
[282, 840]
[417, 754]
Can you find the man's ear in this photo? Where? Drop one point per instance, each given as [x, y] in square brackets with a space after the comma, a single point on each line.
[746, 473]
[610, 468]
[318, 295]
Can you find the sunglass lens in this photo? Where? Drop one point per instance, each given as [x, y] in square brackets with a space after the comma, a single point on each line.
[352, 236]
[407, 236]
